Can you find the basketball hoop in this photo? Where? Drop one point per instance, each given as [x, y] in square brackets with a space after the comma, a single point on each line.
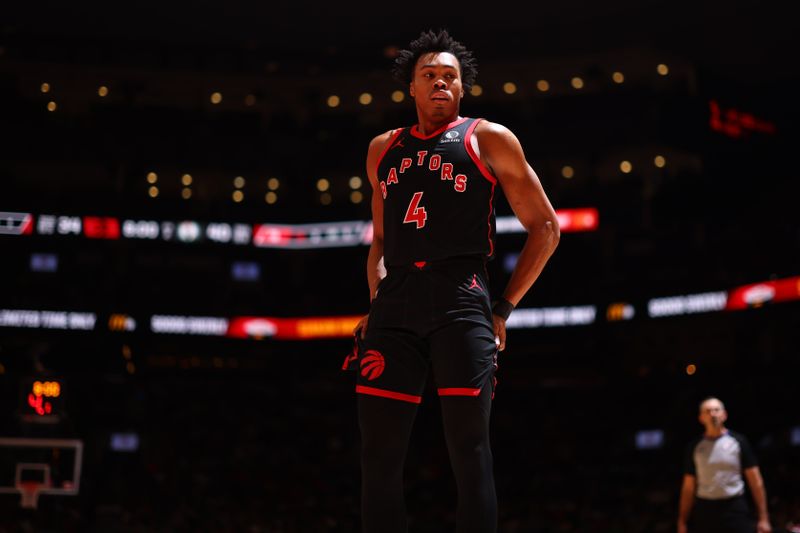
[30, 493]
[25, 469]
[31, 486]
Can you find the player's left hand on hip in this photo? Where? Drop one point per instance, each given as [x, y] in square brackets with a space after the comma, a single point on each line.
[499, 332]
[362, 326]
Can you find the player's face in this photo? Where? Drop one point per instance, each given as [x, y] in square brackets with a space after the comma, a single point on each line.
[436, 87]
[712, 413]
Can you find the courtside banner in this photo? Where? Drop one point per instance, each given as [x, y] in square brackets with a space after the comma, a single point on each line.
[16, 223]
[324, 235]
[33, 319]
[268, 235]
[758, 294]
[292, 328]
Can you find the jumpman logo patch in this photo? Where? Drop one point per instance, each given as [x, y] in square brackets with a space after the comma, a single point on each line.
[474, 284]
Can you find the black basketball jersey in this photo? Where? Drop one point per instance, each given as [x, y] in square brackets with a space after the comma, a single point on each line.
[438, 198]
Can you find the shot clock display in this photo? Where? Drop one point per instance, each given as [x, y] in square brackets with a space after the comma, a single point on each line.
[42, 399]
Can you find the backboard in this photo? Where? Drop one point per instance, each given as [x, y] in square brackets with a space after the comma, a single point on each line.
[33, 466]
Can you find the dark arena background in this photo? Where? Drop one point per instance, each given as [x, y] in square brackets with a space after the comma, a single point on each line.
[184, 226]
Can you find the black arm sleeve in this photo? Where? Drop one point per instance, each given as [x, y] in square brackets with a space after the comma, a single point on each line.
[748, 458]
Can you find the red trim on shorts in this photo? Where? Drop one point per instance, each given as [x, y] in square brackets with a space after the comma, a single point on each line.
[456, 391]
[349, 359]
[372, 391]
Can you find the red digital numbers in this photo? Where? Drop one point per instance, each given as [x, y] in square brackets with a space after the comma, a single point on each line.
[38, 396]
[735, 123]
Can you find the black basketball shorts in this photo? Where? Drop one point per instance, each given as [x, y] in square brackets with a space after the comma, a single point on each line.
[428, 316]
[730, 515]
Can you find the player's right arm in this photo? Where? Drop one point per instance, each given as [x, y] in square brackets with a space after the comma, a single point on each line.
[375, 269]
[686, 501]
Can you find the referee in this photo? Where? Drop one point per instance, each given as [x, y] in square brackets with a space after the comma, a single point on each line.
[713, 484]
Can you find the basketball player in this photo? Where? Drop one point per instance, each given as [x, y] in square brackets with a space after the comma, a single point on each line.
[432, 209]
[713, 488]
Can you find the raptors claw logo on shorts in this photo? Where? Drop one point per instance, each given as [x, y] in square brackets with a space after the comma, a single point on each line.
[372, 364]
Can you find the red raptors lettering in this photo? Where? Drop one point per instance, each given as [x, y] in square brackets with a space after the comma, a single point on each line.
[446, 171]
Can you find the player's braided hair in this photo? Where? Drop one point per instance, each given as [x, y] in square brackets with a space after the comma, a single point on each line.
[432, 41]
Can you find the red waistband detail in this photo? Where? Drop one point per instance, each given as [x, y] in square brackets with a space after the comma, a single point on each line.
[420, 264]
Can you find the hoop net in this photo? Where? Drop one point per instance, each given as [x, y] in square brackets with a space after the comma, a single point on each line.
[30, 493]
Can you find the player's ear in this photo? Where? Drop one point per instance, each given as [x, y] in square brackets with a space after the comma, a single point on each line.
[411, 89]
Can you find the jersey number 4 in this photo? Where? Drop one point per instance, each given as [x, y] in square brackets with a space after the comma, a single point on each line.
[416, 214]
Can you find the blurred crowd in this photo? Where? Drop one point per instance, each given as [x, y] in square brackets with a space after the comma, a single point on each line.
[276, 451]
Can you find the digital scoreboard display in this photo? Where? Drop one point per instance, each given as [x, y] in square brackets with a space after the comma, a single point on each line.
[41, 399]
